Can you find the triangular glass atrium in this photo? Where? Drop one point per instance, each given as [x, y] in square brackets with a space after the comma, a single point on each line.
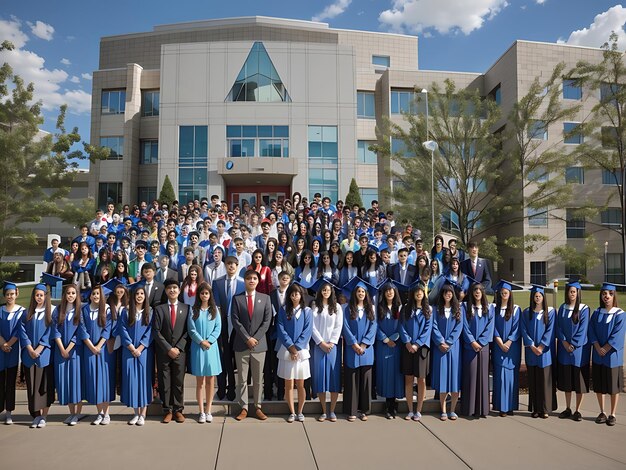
[258, 79]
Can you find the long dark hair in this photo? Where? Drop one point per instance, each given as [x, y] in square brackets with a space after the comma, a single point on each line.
[412, 305]
[288, 303]
[63, 306]
[102, 307]
[332, 300]
[454, 303]
[132, 308]
[112, 301]
[576, 311]
[263, 262]
[305, 253]
[382, 301]
[469, 304]
[199, 277]
[509, 306]
[197, 305]
[614, 299]
[544, 305]
[47, 304]
[367, 305]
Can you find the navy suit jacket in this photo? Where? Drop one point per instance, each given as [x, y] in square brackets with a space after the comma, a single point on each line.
[482, 271]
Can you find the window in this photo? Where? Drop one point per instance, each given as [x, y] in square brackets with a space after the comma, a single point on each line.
[608, 136]
[323, 143]
[368, 195]
[614, 267]
[611, 216]
[575, 175]
[193, 162]
[539, 174]
[109, 192]
[258, 80]
[473, 220]
[408, 102]
[608, 91]
[537, 217]
[365, 105]
[538, 130]
[149, 152]
[150, 103]
[113, 101]
[364, 154]
[146, 193]
[496, 94]
[538, 273]
[463, 150]
[324, 181]
[574, 225]
[611, 177]
[257, 141]
[571, 133]
[571, 91]
[381, 60]
[116, 144]
[476, 185]
[399, 147]
[450, 221]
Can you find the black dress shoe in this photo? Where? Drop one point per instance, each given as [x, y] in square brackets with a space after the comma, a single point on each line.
[577, 416]
[230, 395]
[566, 413]
[220, 394]
[601, 419]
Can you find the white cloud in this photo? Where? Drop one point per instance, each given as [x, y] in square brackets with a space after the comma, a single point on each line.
[598, 32]
[75, 79]
[444, 16]
[541, 2]
[332, 10]
[65, 61]
[49, 83]
[86, 76]
[41, 30]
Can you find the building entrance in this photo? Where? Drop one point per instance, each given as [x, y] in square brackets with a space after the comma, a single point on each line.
[256, 195]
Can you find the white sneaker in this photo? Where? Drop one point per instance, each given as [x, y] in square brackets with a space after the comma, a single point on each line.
[41, 423]
[68, 420]
[106, 420]
[132, 421]
[98, 420]
[73, 420]
[35, 422]
[140, 421]
[409, 416]
[209, 418]
[201, 418]
[8, 420]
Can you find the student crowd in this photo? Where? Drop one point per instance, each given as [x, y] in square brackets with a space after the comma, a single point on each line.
[302, 295]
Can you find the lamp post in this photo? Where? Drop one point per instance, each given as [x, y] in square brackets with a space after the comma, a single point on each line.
[606, 261]
[431, 146]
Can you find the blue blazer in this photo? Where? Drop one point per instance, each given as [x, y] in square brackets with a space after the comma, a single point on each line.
[608, 327]
[361, 331]
[507, 330]
[34, 333]
[417, 329]
[575, 334]
[535, 332]
[479, 329]
[295, 332]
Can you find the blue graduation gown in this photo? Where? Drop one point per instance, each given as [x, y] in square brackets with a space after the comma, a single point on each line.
[535, 332]
[608, 327]
[34, 333]
[67, 372]
[205, 363]
[446, 373]
[137, 372]
[479, 329]
[417, 329]
[295, 332]
[97, 388]
[575, 334]
[361, 331]
[389, 379]
[506, 364]
[10, 328]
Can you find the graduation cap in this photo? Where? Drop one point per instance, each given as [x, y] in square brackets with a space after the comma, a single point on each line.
[502, 284]
[8, 286]
[317, 285]
[50, 280]
[141, 243]
[383, 247]
[110, 286]
[373, 248]
[358, 282]
[136, 285]
[575, 284]
[41, 287]
[536, 288]
[607, 286]
[408, 287]
[125, 237]
[101, 237]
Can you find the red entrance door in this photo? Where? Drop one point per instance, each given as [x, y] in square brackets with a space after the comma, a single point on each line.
[256, 195]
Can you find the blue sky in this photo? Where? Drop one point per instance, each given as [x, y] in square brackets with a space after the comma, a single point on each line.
[57, 48]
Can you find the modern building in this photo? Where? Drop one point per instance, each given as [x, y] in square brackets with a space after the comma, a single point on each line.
[255, 108]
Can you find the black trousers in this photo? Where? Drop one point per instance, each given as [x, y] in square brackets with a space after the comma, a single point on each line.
[357, 393]
[7, 389]
[226, 379]
[270, 376]
[171, 374]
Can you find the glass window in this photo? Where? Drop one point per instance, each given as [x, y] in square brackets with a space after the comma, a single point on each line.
[538, 174]
[364, 154]
[537, 217]
[450, 221]
[408, 102]
[609, 136]
[399, 147]
[116, 144]
[324, 181]
[574, 225]
[575, 175]
[323, 143]
[113, 101]
[109, 192]
[611, 177]
[381, 60]
[496, 94]
[539, 273]
[368, 195]
[149, 151]
[476, 185]
[258, 80]
[150, 100]
[614, 267]
[608, 91]
[257, 143]
[193, 145]
[146, 193]
[538, 130]
[611, 216]
[571, 91]
[571, 133]
[473, 221]
[365, 104]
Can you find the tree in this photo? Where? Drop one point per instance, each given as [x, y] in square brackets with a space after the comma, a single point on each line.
[606, 125]
[167, 195]
[578, 261]
[353, 197]
[76, 215]
[37, 168]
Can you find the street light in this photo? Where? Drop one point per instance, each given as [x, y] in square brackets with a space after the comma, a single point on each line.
[432, 147]
[606, 261]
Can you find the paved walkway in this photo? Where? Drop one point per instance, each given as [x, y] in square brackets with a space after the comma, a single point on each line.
[511, 442]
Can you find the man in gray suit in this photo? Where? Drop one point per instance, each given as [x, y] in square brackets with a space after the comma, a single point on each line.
[251, 314]
[169, 329]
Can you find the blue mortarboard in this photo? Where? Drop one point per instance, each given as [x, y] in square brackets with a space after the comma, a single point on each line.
[502, 284]
[408, 287]
[142, 243]
[41, 287]
[383, 247]
[386, 284]
[373, 248]
[101, 237]
[575, 284]
[320, 283]
[110, 286]
[358, 282]
[535, 288]
[125, 237]
[8, 286]
[50, 280]
[607, 286]
[136, 285]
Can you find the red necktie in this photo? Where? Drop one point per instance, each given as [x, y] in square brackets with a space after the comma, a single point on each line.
[250, 306]
[173, 315]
